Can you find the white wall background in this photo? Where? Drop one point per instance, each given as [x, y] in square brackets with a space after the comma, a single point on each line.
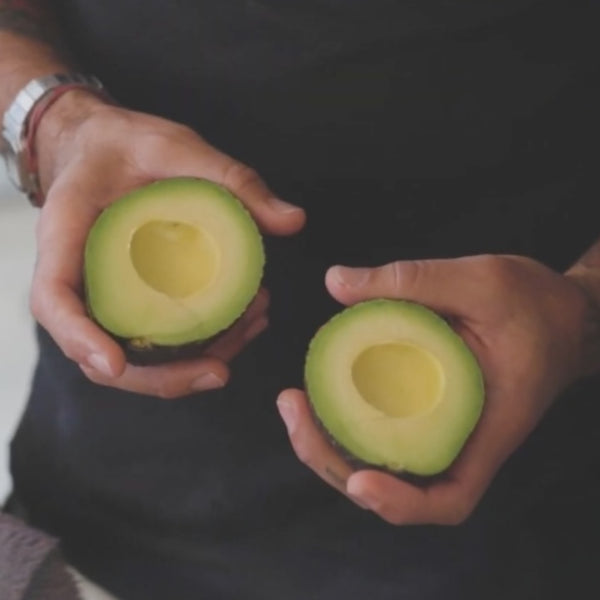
[17, 348]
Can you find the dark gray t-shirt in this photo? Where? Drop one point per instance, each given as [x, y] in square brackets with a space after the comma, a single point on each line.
[407, 129]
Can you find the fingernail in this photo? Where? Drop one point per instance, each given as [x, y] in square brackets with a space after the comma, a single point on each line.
[287, 410]
[350, 277]
[281, 206]
[255, 328]
[100, 363]
[207, 381]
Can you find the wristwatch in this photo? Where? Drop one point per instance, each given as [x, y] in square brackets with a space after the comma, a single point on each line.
[15, 139]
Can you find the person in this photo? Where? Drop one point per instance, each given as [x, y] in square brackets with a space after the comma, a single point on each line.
[443, 152]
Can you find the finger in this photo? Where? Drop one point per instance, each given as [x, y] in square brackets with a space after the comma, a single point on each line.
[167, 381]
[55, 302]
[448, 501]
[450, 286]
[402, 503]
[59, 310]
[251, 324]
[451, 499]
[309, 444]
[233, 341]
[198, 159]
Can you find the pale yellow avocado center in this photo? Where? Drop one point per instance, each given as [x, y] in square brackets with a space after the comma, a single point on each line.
[398, 379]
[174, 258]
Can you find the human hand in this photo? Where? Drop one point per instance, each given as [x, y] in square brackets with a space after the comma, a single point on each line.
[91, 153]
[529, 328]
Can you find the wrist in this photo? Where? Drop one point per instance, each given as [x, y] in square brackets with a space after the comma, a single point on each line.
[58, 126]
[23, 118]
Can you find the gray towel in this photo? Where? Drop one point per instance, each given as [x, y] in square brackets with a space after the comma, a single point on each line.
[31, 565]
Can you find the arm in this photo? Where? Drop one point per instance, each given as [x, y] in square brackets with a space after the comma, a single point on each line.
[80, 139]
[29, 46]
[534, 332]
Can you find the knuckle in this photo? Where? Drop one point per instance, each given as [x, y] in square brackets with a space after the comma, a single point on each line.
[71, 354]
[153, 146]
[238, 176]
[302, 451]
[179, 134]
[166, 390]
[36, 304]
[255, 328]
[498, 269]
[183, 131]
[406, 275]
[39, 302]
[398, 275]
[161, 138]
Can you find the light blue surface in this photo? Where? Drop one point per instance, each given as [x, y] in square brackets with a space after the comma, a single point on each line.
[17, 348]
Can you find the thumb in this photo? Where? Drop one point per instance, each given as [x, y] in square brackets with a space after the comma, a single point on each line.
[197, 158]
[450, 286]
[272, 214]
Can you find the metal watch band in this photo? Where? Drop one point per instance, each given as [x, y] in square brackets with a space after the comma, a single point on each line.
[15, 121]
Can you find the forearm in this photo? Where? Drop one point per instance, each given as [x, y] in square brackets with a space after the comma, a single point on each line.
[29, 46]
[586, 273]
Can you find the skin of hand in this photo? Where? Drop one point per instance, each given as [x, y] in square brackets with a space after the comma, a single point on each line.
[90, 153]
[534, 331]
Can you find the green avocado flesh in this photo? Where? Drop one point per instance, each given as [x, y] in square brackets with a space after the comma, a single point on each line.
[394, 386]
[172, 263]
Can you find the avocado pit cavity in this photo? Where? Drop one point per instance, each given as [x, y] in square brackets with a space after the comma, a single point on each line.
[398, 379]
[174, 258]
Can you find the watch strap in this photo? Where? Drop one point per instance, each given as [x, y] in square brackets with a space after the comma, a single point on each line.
[20, 123]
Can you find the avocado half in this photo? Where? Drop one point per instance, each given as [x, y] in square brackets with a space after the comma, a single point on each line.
[171, 265]
[394, 387]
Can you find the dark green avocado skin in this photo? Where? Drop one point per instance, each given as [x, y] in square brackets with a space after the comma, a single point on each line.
[358, 464]
[155, 355]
